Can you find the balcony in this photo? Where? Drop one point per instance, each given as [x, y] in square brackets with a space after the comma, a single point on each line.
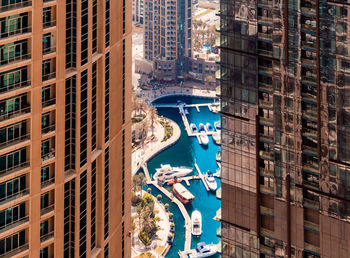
[315, 205]
[49, 102]
[47, 236]
[266, 211]
[266, 87]
[266, 121]
[49, 76]
[265, 2]
[16, 251]
[47, 209]
[15, 59]
[311, 248]
[310, 150]
[265, 36]
[14, 196]
[265, 104]
[311, 226]
[266, 172]
[48, 182]
[16, 32]
[49, 24]
[266, 155]
[14, 141]
[307, 97]
[265, 70]
[267, 189]
[48, 155]
[267, 250]
[15, 6]
[266, 138]
[308, 10]
[14, 224]
[266, 232]
[49, 50]
[310, 114]
[10, 115]
[48, 129]
[14, 169]
[313, 168]
[15, 86]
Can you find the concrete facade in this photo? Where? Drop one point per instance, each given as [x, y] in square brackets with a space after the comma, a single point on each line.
[65, 128]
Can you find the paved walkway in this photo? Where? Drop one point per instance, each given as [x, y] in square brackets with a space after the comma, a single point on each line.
[142, 155]
[161, 241]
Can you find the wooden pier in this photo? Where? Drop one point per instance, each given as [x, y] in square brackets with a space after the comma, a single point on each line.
[201, 176]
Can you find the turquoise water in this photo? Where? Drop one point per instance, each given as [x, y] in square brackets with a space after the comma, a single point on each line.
[184, 153]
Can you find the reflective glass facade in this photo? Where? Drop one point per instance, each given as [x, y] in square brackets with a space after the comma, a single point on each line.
[285, 90]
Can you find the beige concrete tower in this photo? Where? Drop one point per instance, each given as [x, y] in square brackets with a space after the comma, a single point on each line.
[65, 128]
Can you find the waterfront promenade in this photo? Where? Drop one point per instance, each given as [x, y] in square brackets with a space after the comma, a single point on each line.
[141, 156]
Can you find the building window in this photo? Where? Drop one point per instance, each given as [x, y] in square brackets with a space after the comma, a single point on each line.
[12, 242]
[94, 26]
[83, 214]
[124, 63]
[14, 79]
[107, 98]
[106, 194]
[123, 173]
[12, 215]
[106, 251]
[83, 117]
[70, 117]
[14, 132]
[94, 107]
[84, 31]
[69, 218]
[107, 23]
[14, 25]
[93, 204]
[14, 105]
[71, 33]
[13, 160]
[44, 253]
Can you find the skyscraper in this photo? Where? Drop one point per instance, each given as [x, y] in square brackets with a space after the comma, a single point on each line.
[285, 89]
[167, 38]
[65, 128]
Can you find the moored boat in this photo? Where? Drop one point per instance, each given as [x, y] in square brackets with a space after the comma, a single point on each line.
[202, 128]
[196, 222]
[167, 172]
[193, 128]
[210, 180]
[217, 138]
[182, 193]
[209, 127]
[203, 250]
[217, 125]
[218, 156]
[204, 138]
[174, 181]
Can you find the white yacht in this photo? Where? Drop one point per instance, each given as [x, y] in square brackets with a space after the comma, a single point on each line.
[203, 250]
[217, 125]
[204, 138]
[217, 138]
[167, 172]
[196, 222]
[202, 128]
[209, 127]
[210, 180]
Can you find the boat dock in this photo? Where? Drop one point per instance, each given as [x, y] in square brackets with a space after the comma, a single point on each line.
[183, 211]
[201, 176]
[181, 108]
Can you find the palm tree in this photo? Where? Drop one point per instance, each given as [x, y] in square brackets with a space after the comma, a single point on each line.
[153, 115]
[134, 102]
[143, 106]
[144, 129]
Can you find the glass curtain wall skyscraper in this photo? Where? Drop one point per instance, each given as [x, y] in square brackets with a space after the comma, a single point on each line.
[285, 90]
[65, 128]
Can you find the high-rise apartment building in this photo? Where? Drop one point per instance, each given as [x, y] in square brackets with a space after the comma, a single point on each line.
[285, 86]
[167, 37]
[65, 128]
[137, 11]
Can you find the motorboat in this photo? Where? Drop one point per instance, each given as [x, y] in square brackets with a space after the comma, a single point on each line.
[210, 180]
[167, 172]
[204, 140]
[196, 222]
[182, 193]
[217, 138]
[193, 128]
[209, 127]
[217, 125]
[202, 128]
[203, 250]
